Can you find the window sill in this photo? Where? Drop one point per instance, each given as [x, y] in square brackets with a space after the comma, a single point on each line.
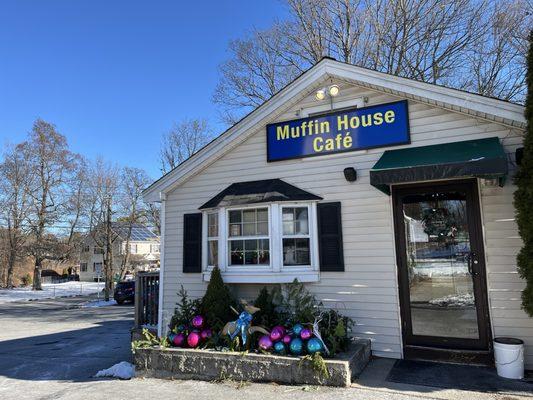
[266, 277]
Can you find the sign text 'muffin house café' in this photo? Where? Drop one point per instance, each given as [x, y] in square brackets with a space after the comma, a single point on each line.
[348, 130]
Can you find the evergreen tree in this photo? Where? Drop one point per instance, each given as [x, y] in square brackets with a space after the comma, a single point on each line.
[217, 302]
[523, 197]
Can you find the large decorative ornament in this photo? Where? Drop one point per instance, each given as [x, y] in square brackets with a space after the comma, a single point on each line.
[314, 345]
[265, 343]
[296, 346]
[287, 339]
[178, 340]
[316, 332]
[280, 348]
[206, 334]
[198, 321]
[180, 328]
[193, 339]
[296, 329]
[306, 333]
[242, 326]
[277, 333]
[170, 337]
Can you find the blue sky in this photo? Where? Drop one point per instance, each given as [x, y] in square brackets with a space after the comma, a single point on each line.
[113, 75]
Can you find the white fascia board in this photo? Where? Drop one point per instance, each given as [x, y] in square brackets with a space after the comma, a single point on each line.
[452, 99]
[269, 111]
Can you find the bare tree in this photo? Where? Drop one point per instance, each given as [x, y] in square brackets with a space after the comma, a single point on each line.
[15, 178]
[53, 168]
[477, 45]
[133, 181]
[103, 190]
[182, 141]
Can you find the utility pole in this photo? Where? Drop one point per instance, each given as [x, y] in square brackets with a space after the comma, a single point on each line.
[108, 264]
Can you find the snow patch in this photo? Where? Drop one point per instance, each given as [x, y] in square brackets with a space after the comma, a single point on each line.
[454, 300]
[50, 291]
[122, 370]
[98, 303]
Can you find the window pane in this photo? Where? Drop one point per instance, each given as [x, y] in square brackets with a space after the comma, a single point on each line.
[249, 215]
[235, 216]
[212, 253]
[248, 229]
[302, 221]
[237, 258]
[250, 257]
[235, 230]
[262, 214]
[262, 228]
[288, 214]
[250, 245]
[264, 257]
[296, 252]
[288, 228]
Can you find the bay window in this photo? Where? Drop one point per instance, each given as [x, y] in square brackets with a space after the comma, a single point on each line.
[270, 243]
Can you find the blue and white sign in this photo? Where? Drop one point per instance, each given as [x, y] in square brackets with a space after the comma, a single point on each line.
[349, 130]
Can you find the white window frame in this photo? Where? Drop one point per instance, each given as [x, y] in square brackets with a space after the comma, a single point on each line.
[275, 271]
[211, 238]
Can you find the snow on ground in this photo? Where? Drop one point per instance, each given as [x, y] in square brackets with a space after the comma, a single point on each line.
[98, 303]
[122, 370]
[50, 291]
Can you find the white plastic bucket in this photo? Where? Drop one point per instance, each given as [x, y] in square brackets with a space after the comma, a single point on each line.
[509, 357]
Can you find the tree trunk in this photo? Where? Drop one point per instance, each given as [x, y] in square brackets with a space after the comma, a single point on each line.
[10, 268]
[37, 284]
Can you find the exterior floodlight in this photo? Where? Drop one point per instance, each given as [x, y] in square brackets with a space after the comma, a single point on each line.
[320, 94]
[334, 90]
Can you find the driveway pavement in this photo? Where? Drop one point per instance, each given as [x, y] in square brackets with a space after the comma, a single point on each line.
[51, 349]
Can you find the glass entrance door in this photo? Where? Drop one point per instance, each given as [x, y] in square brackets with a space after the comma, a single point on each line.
[440, 256]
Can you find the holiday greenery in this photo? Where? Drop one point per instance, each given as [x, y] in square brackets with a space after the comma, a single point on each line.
[523, 197]
[267, 315]
[217, 302]
[185, 310]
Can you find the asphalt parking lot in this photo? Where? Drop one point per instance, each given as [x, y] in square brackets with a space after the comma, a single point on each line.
[51, 349]
[57, 340]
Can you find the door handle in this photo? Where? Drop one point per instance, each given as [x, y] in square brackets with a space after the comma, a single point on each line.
[472, 261]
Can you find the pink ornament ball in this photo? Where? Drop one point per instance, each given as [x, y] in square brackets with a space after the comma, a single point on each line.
[277, 333]
[193, 339]
[306, 333]
[206, 334]
[287, 339]
[178, 340]
[265, 343]
[198, 321]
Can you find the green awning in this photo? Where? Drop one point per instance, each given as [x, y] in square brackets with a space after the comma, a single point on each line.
[482, 158]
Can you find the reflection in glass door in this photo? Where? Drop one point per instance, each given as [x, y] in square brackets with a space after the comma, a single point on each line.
[440, 276]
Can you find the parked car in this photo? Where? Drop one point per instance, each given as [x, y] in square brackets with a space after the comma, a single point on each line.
[124, 291]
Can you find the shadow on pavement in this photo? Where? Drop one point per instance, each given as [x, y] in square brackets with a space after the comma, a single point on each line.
[74, 355]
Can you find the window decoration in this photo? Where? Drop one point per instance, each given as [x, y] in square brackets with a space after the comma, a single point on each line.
[296, 239]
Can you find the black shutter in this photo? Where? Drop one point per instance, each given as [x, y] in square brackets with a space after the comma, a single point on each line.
[192, 242]
[330, 237]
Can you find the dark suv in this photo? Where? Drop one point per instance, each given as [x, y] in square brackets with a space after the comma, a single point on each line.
[125, 291]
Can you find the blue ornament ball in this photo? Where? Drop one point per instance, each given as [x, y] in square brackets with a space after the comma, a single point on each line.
[171, 337]
[279, 348]
[296, 346]
[297, 329]
[314, 345]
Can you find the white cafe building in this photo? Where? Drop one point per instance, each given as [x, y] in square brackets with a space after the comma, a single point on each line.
[392, 199]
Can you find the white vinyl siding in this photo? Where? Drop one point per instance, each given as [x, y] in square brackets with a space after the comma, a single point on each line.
[367, 290]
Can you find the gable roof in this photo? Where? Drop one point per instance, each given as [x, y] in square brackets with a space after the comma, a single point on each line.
[477, 106]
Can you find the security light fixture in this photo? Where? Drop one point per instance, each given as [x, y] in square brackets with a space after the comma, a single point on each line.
[320, 94]
[334, 90]
[331, 91]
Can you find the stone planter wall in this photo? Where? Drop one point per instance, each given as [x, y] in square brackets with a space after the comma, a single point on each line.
[209, 365]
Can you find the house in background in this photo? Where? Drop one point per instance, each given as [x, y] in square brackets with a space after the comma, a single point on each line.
[143, 255]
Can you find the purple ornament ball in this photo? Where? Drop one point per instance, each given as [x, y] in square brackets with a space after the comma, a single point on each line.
[306, 333]
[287, 339]
[206, 334]
[178, 340]
[198, 321]
[265, 343]
[193, 339]
[277, 333]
